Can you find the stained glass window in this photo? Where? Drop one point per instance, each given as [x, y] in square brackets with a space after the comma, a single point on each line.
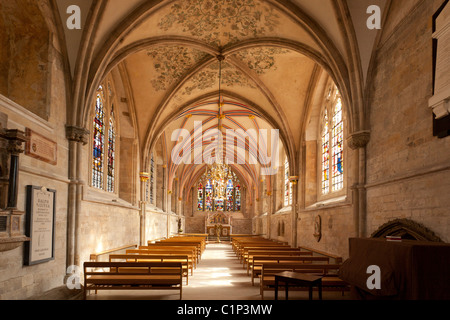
[325, 155]
[200, 199]
[209, 199]
[218, 204]
[111, 152]
[287, 185]
[152, 179]
[333, 144]
[338, 149]
[238, 198]
[208, 196]
[104, 141]
[229, 195]
[99, 141]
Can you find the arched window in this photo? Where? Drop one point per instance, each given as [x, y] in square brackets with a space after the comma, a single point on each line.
[332, 162]
[111, 152]
[208, 198]
[151, 181]
[238, 198]
[200, 199]
[229, 196]
[99, 140]
[287, 185]
[104, 142]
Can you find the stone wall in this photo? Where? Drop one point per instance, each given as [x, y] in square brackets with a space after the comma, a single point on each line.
[407, 168]
[16, 280]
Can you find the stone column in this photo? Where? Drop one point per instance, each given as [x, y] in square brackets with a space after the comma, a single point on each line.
[15, 139]
[78, 137]
[144, 177]
[358, 142]
[294, 181]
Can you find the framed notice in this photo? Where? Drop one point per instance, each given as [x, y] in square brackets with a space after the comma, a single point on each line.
[40, 225]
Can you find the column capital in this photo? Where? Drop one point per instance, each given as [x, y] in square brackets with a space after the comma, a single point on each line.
[358, 140]
[15, 138]
[77, 134]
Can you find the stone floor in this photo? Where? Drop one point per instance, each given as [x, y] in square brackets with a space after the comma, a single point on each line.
[218, 276]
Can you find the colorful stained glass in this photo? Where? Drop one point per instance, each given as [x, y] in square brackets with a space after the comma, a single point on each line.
[238, 198]
[218, 204]
[338, 147]
[111, 153]
[325, 155]
[209, 199]
[287, 185]
[98, 141]
[151, 181]
[208, 196]
[200, 199]
[229, 196]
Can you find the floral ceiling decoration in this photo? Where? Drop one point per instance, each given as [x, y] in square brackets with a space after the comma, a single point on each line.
[221, 22]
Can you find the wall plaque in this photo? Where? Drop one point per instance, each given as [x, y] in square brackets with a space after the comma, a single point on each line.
[40, 147]
[40, 225]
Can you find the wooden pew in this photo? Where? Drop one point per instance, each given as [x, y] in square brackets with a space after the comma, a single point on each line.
[248, 260]
[258, 262]
[254, 245]
[330, 281]
[190, 252]
[336, 259]
[283, 248]
[193, 240]
[133, 276]
[183, 259]
[179, 244]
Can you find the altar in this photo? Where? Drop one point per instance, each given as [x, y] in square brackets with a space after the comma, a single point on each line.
[218, 224]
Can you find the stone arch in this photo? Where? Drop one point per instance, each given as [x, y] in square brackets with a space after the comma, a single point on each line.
[407, 229]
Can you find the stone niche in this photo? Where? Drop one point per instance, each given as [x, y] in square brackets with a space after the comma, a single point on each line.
[440, 102]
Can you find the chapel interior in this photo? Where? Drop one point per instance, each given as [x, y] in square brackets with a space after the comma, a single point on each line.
[320, 125]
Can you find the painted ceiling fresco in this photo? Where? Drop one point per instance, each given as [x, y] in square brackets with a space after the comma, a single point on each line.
[172, 63]
[221, 22]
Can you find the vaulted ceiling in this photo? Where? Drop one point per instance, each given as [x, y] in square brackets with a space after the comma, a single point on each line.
[276, 53]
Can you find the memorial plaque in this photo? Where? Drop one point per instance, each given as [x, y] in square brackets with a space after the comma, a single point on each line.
[40, 225]
[40, 147]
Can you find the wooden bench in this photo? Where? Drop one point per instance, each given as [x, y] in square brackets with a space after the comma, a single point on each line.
[330, 280]
[183, 259]
[259, 261]
[179, 244]
[237, 244]
[248, 260]
[201, 242]
[336, 259]
[191, 256]
[190, 251]
[268, 250]
[96, 257]
[252, 246]
[132, 276]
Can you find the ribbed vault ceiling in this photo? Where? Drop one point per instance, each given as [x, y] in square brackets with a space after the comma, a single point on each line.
[274, 53]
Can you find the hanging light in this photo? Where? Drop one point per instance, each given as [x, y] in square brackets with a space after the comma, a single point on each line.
[219, 171]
